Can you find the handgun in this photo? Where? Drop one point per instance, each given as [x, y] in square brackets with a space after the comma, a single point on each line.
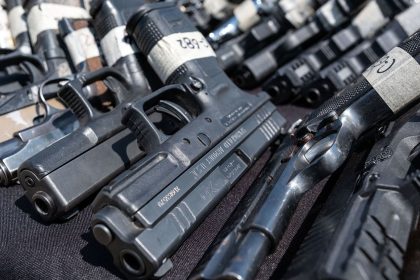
[56, 123]
[346, 70]
[109, 20]
[102, 147]
[366, 223]
[28, 142]
[233, 52]
[287, 83]
[318, 148]
[287, 14]
[49, 61]
[13, 77]
[85, 56]
[215, 132]
[328, 18]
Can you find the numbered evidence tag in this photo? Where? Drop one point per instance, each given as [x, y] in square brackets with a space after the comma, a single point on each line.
[176, 49]
[396, 78]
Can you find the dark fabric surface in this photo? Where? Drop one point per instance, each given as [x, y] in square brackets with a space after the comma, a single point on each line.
[31, 249]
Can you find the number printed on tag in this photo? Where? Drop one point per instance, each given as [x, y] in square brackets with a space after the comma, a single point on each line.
[395, 78]
[176, 49]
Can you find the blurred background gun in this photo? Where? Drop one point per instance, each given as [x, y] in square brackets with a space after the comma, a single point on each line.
[328, 18]
[346, 70]
[288, 81]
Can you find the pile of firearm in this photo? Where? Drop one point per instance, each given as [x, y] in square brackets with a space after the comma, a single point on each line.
[157, 109]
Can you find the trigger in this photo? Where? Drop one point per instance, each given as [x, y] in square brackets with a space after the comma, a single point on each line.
[174, 110]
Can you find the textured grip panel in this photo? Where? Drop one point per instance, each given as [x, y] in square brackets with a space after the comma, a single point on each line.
[412, 45]
[105, 21]
[148, 35]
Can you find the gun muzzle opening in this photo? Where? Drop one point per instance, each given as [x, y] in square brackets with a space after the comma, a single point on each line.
[313, 97]
[132, 263]
[43, 204]
[279, 92]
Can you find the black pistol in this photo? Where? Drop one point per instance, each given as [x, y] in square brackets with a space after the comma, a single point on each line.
[60, 182]
[200, 134]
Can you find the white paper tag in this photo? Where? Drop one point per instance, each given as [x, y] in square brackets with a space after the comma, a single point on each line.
[6, 39]
[81, 45]
[176, 49]
[297, 11]
[410, 19]
[395, 77]
[246, 14]
[220, 9]
[45, 16]
[370, 19]
[17, 21]
[116, 45]
[330, 14]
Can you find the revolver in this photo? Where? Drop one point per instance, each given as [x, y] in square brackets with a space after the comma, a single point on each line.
[200, 134]
[366, 222]
[318, 148]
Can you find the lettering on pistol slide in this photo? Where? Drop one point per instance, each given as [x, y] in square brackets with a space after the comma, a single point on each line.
[236, 114]
[232, 168]
[168, 196]
[217, 153]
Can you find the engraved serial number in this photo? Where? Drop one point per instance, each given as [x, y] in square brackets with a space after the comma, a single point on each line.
[217, 153]
[168, 196]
